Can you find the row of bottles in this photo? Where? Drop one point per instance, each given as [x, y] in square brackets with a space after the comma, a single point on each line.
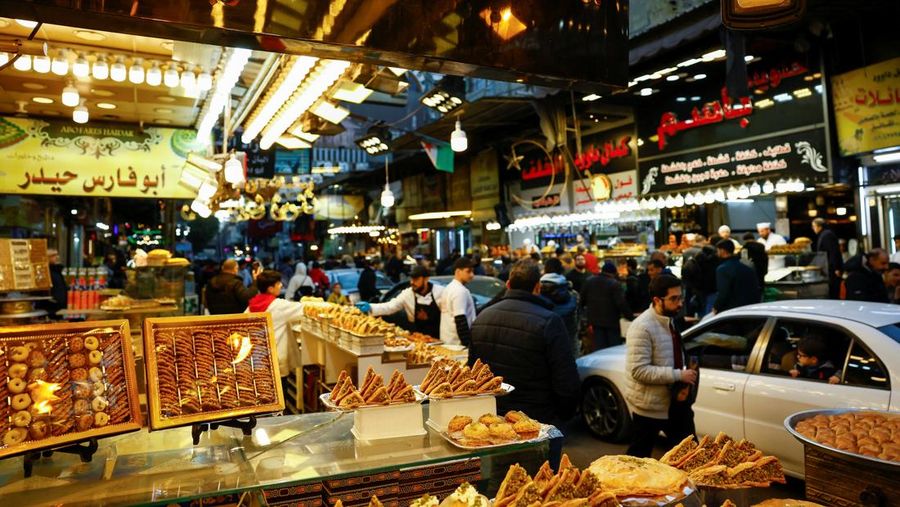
[84, 287]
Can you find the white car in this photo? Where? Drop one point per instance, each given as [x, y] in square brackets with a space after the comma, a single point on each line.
[745, 356]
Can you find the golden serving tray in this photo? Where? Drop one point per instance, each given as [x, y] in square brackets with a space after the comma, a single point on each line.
[65, 361]
[210, 368]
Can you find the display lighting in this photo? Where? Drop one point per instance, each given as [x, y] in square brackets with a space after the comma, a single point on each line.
[755, 189]
[41, 64]
[673, 77]
[207, 189]
[192, 177]
[22, 63]
[356, 229]
[689, 199]
[440, 215]
[458, 140]
[743, 192]
[234, 171]
[81, 68]
[70, 96]
[887, 157]
[154, 75]
[348, 91]
[493, 226]
[201, 208]
[330, 112]
[285, 85]
[449, 95]
[171, 77]
[590, 98]
[713, 55]
[318, 82]
[100, 69]
[783, 97]
[235, 61]
[748, 58]
[117, 71]
[26, 23]
[60, 65]
[689, 62]
[80, 114]
[646, 92]
[731, 193]
[188, 79]
[292, 143]
[204, 81]
[306, 136]
[136, 72]
[608, 212]
[203, 163]
[387, 197]
[102, 226]
[698, 77]
[801, 93]
[375, 141]
[764, 103]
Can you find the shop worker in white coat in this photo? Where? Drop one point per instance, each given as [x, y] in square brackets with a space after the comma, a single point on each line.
[770, 239]
[458, 310]
[422, 301]
[283, 313]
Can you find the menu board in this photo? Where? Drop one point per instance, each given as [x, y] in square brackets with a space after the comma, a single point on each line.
[23, 265]
[214, 368]
[65, 383]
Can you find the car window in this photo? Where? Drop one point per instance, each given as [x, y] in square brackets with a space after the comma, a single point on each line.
[486, 287]
[349, 280]
[782, 358]
[725, 344]
[382, 281]
[864, 369]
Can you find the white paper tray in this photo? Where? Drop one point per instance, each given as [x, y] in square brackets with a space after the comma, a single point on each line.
[542, 435]
[399, 349]
[331, 406]
[504, 390]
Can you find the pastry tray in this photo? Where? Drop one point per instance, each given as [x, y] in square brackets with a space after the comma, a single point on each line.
[230, 364]
[543, 434]
[504, 390]
[399, 349]
[58, 355]
[334, 408]
[791, 422]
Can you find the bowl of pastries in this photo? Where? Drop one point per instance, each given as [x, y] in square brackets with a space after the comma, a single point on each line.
[869, 435]
[492, 430]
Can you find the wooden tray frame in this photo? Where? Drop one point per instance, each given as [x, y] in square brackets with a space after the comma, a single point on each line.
[41, 332]
[151, 325]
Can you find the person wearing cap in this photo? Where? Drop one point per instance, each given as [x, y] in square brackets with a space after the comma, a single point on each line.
[458, 310]
[604, 300]
[770, 239]
[725, 233]
[422, 301]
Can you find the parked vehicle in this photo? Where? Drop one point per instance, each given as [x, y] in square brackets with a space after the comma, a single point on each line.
[349, 280]
[745, 357]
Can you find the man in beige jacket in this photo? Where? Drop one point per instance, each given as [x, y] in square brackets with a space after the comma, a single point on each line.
[655, 371]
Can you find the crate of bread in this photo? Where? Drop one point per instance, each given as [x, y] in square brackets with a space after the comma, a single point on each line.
[379, 410]
[64, 383]
[213, 368]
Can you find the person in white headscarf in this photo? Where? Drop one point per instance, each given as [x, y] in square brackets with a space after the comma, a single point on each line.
[769, 239]
[300, 284]
[725, 233]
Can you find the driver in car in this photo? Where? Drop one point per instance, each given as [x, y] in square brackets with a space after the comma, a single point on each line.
[422, 301]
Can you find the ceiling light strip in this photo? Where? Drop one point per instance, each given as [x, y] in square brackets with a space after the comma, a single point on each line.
[318, 82]
[285, 85]
[235, 61]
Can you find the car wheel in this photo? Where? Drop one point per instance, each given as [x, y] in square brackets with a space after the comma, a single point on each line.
[604, 411]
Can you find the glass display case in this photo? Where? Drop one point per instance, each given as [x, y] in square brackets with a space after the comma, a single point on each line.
[163, 467]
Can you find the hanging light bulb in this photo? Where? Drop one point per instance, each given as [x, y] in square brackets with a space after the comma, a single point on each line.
[207, 190]
[80, 114]
[154, 75]
[387, 197]
[731, 193]
[234, 171]
[170, 78]
[201, 208]
[719, 195]
[100, 70]
[60, 65]
[81, 68]
[698, 198]
[23, 63]
[743, 191]
[204, 81]
[70, 96]
[755, 189]
[136, 72]
[188, 79]
[644, 204]
[670, 201]
[768, 187]
[41, 64]
[781, 187]
[679, 201]
[117, 71]
[458, 141]
[709, 197]
[651, 203]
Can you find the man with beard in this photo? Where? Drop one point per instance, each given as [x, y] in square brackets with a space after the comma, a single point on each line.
[659, 387]
[422, 301]
[579, 274]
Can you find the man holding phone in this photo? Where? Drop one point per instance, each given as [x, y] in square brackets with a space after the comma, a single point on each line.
[226, 293]
[660, 381]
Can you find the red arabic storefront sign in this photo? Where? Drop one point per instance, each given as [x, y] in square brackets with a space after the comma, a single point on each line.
[711, 113]
[594, 158]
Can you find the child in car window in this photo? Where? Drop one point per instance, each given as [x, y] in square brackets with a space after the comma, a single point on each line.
[812, 362]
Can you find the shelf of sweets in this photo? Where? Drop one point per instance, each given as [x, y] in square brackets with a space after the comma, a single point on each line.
[163, 467]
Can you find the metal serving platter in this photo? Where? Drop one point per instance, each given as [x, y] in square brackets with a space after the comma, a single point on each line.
[791, 421]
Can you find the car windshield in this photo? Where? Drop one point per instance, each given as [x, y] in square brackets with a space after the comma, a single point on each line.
[486, 287]
[892, 330]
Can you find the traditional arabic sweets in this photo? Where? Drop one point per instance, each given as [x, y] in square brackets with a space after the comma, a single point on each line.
[724, 463]
[569, 487]
[450, 380]
[373, 391]
[458, 423]
[425, 501]
[781, 502]
[226, 381]
[466, 496]
[206, 371]
[16, 385]
[165, 371]
[873, 434]
[627, 476]
[265, 387]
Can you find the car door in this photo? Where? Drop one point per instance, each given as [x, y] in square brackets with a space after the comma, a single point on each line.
[723, 348]
[773, 394]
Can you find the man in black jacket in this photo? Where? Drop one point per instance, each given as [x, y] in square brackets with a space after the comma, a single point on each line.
[604, 299]
[736, 282]
[526, 343]
[865, 281]
[757, 258]
[828, 243]
[367, 284]
[226, 292]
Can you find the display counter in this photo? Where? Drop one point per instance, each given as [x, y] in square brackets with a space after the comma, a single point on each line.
[283, 454]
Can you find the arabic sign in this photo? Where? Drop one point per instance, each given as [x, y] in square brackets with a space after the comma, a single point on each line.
[64, 158]
[800, 155]
[867, 107]
[525, 198]
[616, 187]
[550, 201]
[711, 112]
[607, 152]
